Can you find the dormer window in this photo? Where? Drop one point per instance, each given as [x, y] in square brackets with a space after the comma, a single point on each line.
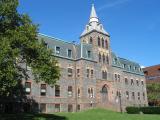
[57, 50]
[69, 53]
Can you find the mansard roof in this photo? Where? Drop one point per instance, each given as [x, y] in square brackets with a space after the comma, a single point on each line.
[81, 53]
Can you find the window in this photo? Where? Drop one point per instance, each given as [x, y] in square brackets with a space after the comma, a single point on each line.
[142, 82]
[106, 43]
[78, 72]
[126, 81]
[90, 92]
[79, 92]
[158, 69]
[43, 89]
[133, 95]
[99, 57]
[87, 73]
[70, 108]
[57, 50]
[127, 95]
[28, 87]
[69, 72]
[130, 67]
[78, 107]
[99, 42]
[119, 78]
[69, 53]
[57, 90]
[70, 91]
[104, 75]
[57, 107]
[115, 77]
[102, 42]
[146, 73]
[90, 40]
[103, 58]
[138, 95]
[137, 82]
[124, 65]
[92, 73]
[107, 59]
[132, 82]
[89, 54]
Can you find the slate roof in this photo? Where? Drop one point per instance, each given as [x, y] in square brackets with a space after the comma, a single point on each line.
[82, 49]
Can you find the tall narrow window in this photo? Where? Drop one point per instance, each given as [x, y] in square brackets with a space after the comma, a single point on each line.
[137, 82]
[87, 73]
[78, 72]
[70, 108]
[138, 95]
[104, 75]
[57, 107]
[91, 73]
[89, 54]
[91, 95]
[115, 77]
[142, 82]
[57, 50]
[133, 95]
[43, 89]
[69, 53]
[103, 58]
[57, 90]
[78, 107]
[126, 81]
[127, 95]
[99, 57]
[106, 43]
[69, 72]
[28, 88]
[99, 42]
[132, 82]
[143, 96]
[119, 78]
[79, 92]
[90, 40]
[107, 59]
[70, 91]
[102, 42]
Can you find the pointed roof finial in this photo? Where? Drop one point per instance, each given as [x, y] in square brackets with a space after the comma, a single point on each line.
[93, 16]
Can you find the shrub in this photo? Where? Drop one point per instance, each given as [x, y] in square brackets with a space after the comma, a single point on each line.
[145, 110]
[132, 110]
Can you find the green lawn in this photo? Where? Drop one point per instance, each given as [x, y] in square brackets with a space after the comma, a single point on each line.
[94, 114]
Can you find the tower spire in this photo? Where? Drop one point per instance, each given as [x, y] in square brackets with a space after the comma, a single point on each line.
[93, 15]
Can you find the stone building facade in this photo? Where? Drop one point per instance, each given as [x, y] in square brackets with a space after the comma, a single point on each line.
[91, 75]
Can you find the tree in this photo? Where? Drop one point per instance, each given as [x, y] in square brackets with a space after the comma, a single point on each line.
[153, 91]
[20, 47]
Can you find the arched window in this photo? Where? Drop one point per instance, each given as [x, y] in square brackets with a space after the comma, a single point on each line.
[103, 58]
[69, 91]
[106, 44]
[90, 40]
[104, 89]
[79, 92]
[107, 59]
[99, 42]
[99, 57]
[102, 42]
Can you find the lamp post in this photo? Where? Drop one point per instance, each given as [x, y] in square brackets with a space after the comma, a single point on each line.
[120, 102]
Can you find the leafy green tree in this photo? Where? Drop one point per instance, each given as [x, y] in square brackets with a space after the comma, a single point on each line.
[153, 91]
[20, 47]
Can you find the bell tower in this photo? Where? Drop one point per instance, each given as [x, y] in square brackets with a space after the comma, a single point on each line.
[95, 35]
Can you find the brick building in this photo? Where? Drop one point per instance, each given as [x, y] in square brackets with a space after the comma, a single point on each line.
[91, 75]
[152, 74]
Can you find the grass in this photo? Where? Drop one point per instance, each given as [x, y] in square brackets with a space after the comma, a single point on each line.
[94, 114]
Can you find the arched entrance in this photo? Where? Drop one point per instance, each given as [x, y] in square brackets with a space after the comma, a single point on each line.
[104, 93]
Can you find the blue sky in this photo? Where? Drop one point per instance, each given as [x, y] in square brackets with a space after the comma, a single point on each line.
[134, 25]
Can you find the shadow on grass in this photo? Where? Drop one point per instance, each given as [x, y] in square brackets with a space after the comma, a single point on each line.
[31, 117]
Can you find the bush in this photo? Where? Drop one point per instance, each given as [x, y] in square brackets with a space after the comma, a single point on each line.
[145, 110]
[132, 110]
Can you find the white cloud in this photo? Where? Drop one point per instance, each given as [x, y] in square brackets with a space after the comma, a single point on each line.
[113, 4]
